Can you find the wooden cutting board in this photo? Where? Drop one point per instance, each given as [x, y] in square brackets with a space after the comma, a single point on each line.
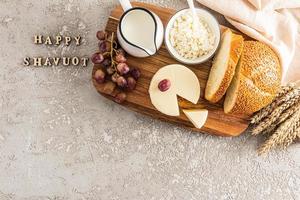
[218, 123]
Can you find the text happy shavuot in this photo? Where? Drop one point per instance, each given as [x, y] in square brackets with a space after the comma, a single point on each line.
[55, 61]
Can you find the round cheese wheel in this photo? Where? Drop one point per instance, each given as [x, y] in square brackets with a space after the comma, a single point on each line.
[184, 83]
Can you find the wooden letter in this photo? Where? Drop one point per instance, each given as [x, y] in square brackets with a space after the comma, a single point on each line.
[78, 40]
[37, 62]
[67, 40]
[38, 39]
[48, 40]
[47, 62]
[85, 61]
[26, 61]
[75, 61]
[66, 61]
[58, 39]
[56, 61]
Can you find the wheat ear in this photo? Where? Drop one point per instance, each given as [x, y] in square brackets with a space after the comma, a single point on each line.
[274, 116]
[268, 109]
[284, 135]
[284, 116]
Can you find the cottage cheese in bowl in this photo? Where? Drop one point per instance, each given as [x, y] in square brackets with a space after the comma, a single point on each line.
[192, 43]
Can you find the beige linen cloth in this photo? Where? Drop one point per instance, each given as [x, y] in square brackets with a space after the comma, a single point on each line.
[275, 22]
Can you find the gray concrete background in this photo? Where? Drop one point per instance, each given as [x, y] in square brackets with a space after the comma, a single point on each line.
[60, 140]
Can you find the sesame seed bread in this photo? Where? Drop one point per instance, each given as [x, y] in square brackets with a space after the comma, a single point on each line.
[257, 79]
[224, 65]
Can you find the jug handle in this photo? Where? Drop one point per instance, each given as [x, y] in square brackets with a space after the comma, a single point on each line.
[126, 5]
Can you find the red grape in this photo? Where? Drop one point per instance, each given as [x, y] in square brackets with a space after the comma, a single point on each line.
[135, 73]
[97, 58]
[120, 97]
[131, 82]
[99, 76]
[104, 46]
[101, 35]
[120, 51]
[114, 77]
[164, 85]
[120, 58]
[110, 70]
[121, 81]
[123, 68]
[106, 62]
[109, 87]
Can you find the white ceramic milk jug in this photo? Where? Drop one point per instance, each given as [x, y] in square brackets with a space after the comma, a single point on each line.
[140, 31]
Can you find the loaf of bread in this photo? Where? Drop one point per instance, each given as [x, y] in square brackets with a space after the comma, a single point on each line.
[256, 80]
[224, 65]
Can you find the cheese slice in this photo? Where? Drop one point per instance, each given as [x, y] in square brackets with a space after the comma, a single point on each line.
[184, 83]
[197, 117]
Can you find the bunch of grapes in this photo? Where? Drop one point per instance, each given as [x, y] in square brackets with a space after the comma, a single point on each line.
[114, 72]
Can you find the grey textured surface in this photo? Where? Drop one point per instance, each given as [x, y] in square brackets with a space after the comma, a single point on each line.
[60, 140]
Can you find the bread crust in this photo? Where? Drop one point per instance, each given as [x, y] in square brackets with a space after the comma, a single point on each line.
[236, 48]
[259, 78]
